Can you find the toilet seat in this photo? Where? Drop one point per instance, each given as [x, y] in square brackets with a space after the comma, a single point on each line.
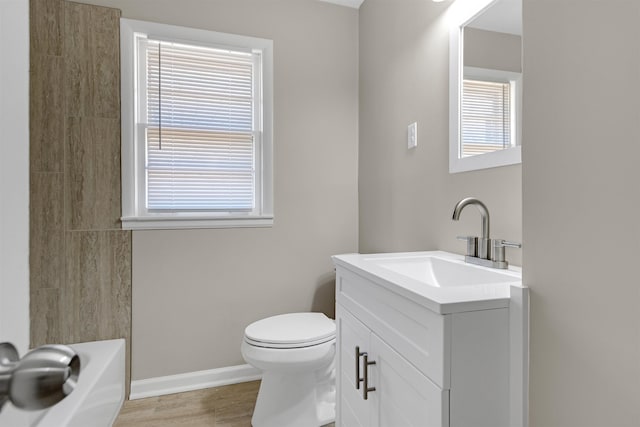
[288, 345]
[293, 330]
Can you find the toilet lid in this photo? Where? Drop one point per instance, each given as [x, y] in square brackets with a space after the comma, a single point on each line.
[289, 330]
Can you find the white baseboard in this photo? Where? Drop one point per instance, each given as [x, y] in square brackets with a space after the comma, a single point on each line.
[193, 381]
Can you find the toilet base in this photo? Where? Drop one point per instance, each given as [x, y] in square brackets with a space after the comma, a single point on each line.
[298, 400]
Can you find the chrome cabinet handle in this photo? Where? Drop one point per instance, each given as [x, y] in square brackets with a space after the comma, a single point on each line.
[366, 389]
[358, 379]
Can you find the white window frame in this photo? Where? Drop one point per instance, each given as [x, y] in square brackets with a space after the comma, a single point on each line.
[134, 212]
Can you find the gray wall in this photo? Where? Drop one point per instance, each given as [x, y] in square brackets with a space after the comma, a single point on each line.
[581, 191]
[492, 50]
[407, 196]
[195, 291]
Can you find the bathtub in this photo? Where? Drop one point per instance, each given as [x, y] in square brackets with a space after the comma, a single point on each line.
[97, 398]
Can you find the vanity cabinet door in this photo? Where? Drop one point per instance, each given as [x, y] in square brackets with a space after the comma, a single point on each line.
[351, 410]
[403, 396]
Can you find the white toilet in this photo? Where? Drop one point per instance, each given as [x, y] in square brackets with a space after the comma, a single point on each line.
[295, 353]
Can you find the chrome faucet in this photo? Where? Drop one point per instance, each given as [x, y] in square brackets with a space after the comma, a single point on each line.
[483, 250]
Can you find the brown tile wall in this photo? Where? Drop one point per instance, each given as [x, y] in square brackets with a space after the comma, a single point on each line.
[80, 258]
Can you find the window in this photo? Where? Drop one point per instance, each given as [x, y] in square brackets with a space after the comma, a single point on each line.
[196, 128]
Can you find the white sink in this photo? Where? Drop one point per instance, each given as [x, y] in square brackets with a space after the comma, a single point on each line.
[441, 272]
[438, 280]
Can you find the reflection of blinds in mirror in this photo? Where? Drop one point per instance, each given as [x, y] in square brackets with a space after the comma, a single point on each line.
[486, 117]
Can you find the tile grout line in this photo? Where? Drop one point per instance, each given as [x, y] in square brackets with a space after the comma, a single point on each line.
[65, 294]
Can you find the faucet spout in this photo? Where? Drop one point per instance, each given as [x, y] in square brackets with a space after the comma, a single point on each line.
[484, 213]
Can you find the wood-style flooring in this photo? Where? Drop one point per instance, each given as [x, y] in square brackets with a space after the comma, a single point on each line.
[228, 406]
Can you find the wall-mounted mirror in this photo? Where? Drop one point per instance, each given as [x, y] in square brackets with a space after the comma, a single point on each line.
[485, 84]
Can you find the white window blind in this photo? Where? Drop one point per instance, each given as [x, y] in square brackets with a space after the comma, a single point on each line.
[200, 130]
[486, 117]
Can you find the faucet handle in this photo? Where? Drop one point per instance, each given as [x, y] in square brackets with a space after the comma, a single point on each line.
[472, 244]
[499, 243]
[498, 248]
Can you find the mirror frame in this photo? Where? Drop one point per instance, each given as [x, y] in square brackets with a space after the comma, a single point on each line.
[461, 13]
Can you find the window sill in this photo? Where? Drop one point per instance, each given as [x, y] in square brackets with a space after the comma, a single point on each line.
[182, 223]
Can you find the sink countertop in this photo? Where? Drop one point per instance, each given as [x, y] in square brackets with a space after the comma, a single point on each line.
[443, 299]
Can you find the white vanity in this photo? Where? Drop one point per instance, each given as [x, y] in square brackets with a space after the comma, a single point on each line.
[425, 339]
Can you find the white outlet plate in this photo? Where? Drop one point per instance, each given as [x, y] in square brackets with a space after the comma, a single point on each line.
[412, 135]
